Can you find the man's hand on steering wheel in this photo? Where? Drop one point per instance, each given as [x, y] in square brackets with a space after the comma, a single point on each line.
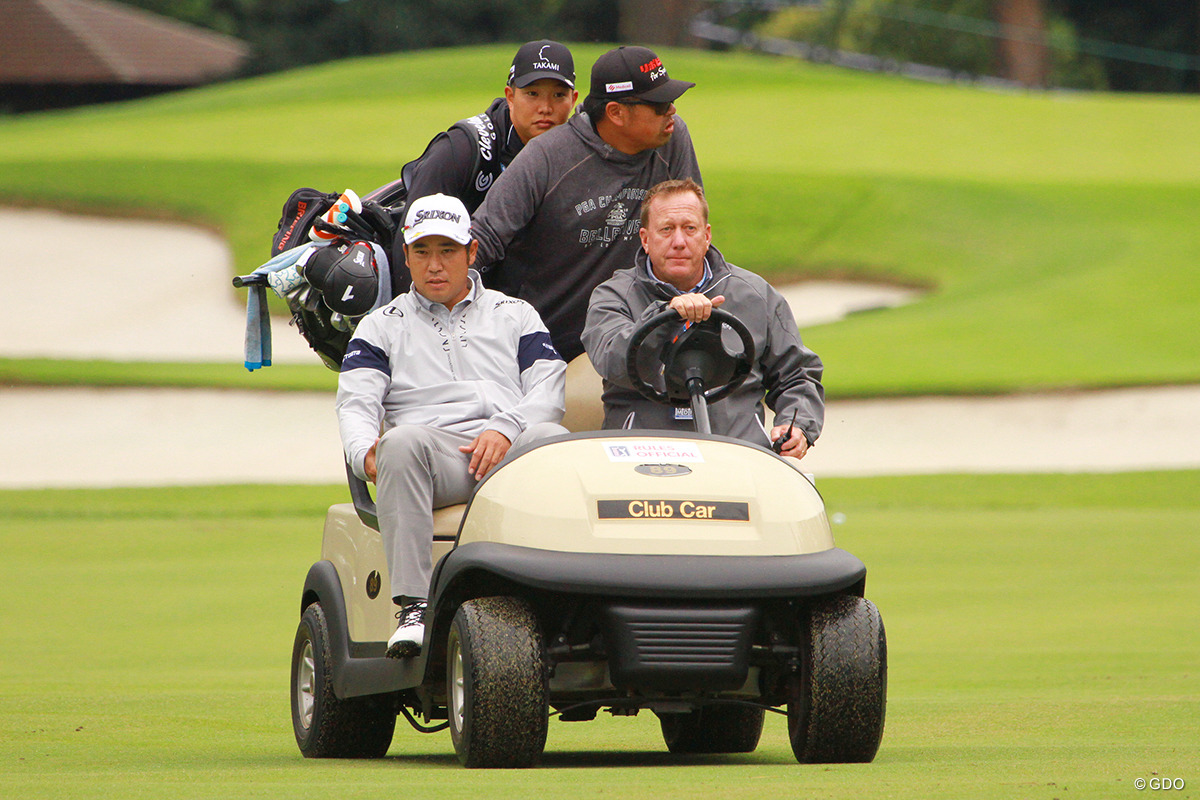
[695, 307]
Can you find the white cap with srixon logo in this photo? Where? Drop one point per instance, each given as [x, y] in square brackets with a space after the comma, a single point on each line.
[437, 215]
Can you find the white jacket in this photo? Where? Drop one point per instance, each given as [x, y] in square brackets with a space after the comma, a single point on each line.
[486, 364]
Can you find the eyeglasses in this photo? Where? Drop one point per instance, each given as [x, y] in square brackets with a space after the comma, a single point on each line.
[661, 109]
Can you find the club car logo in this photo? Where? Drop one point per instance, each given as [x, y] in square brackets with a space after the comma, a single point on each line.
[688, 510]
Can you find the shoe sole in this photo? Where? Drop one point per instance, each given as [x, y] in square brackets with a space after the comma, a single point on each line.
[404, 650]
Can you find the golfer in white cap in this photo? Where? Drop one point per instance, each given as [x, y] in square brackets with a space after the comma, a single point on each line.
[454, 374]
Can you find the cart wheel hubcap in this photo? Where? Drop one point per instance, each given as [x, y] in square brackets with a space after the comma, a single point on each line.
[457, 700]
[305, 693]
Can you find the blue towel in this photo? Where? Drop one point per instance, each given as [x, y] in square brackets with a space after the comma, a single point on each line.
[258, 319]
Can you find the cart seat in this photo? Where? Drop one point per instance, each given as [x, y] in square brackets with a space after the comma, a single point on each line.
[446, 521]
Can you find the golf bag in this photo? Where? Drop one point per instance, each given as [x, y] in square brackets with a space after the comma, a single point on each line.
[346, 273]
[348, 224]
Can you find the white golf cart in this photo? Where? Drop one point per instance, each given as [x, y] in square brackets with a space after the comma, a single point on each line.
[686, 574]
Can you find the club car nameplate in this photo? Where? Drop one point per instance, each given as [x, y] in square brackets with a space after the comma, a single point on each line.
[673, 509]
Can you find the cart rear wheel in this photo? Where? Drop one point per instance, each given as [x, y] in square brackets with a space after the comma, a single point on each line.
[836, 711]
[325, 725]
[496, 684]
[713, 729]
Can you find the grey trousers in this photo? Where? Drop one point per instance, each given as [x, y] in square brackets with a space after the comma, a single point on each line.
[418, 469]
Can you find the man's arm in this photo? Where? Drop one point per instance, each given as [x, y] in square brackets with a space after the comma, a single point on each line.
[510, 204]
[609, 327]
[543, 379]
[362, 385]
[792, 376]
[543, 388]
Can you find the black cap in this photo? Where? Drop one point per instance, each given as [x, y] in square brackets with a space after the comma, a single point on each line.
[542, 59]
[634, 72]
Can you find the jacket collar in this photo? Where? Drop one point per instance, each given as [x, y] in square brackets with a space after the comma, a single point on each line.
[716, 271]
[432, 306]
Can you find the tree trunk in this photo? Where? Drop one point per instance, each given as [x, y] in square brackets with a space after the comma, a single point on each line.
[1022, 51]
[665, 22]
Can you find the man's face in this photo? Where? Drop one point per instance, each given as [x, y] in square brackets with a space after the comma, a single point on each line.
[540, 106]
[677, 238]
[648, 125]
[439, 265]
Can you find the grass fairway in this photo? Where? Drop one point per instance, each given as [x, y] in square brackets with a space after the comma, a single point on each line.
[1057, 231]
[1041, 634]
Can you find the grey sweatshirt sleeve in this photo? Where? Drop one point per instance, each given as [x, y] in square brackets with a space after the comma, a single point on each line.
[543, 379]
[362, 385]
[510, 204]
[791, 372]
[609, 327]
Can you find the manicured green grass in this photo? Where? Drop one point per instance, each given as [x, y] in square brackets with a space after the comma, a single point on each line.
[1057, 232]
[1041, 635]
[231, 375]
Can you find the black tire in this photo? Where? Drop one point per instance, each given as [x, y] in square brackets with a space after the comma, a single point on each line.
[713, 729]
[836, 711]
[325, 725]
[497, 694]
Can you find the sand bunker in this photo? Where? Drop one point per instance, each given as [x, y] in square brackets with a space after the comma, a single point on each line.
[153, 291]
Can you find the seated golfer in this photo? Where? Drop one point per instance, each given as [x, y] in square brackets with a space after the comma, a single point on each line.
[679, 268]
[454, 374]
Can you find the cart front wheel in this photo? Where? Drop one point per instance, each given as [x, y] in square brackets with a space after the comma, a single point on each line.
[496, 684]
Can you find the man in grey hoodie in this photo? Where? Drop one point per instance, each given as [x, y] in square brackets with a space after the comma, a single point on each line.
[564, 215]
[680, 269]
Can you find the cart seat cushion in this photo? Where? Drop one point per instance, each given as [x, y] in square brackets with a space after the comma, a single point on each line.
[446, 521]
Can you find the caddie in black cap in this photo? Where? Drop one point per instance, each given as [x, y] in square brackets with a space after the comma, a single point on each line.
[542, 59]
[466, 160]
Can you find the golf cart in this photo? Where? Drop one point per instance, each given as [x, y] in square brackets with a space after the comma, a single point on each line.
[690, 575]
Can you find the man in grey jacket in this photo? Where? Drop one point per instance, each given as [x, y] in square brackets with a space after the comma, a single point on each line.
[564, 215]
[679, 268]
[455, 375]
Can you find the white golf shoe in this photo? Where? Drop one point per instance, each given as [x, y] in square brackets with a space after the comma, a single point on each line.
[410, 633]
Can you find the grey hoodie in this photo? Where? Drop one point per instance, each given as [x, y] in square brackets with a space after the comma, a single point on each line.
[785, 372]
[564, 216]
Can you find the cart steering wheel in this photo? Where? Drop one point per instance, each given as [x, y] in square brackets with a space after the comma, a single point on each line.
[697, 352]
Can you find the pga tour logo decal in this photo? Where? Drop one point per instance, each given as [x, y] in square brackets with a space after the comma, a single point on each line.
[660, 452]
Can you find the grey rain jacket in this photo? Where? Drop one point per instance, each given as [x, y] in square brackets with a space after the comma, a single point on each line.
[564, 217]
[785, 372]
[486, 364]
